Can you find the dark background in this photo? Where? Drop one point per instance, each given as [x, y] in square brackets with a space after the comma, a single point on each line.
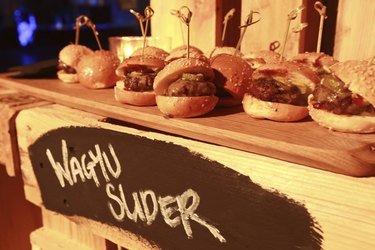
[55, 26]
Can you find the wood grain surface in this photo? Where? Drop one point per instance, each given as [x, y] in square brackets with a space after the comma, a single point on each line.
[342, 205]
[302, 142]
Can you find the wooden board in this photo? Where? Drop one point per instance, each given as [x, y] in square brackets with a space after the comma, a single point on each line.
[343, 206]
[302, 142]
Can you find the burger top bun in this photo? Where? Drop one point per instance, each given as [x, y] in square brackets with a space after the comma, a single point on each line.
[72, 53]
[97, 70]
[226, 50]
[232, 73]
[181, 52]
[295, 72]
[314, 60]
[174, 70]
[151, 51]
[358, 77]
[260, 57]
[130, 63]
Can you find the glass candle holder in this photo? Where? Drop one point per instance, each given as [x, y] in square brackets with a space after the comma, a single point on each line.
[124, 46]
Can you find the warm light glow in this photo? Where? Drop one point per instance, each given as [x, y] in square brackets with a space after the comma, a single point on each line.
[124, 46]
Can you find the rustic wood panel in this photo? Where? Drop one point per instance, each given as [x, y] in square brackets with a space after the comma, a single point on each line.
[11, 102]
[202, 26]
[355, 33]
[302, 142]
[272, 26]
[343, 206]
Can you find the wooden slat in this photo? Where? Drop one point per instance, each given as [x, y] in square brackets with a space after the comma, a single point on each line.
[301, 142]
[202, 25]
[11, 102]
[343, 206]
[272, 26]
[355, 33]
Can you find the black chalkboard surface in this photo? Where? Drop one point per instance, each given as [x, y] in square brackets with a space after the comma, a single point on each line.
[168, 194]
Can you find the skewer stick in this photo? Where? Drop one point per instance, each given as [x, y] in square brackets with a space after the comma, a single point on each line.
[140, 20]
[84, 20]
[291, 16]
[149, 12]
[185, 18]
[227, 17]
[249, 21]
[321, 9]
[274, 45]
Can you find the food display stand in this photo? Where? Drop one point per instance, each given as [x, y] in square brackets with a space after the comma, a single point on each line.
[106, 175]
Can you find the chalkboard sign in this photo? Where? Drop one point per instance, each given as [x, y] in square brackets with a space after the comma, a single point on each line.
[166, 193]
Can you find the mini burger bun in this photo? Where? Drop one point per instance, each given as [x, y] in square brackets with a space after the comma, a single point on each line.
[261, 57]
[145, 98]
[147, 60]
[358, 77]
[181, 52]
[180, 106]
[174, 70]
[186, 106]
[97, 70]
[225, 50]
[314, 60]
[233, 75]
[151, 51]
[70, 55]
[342, 123]
[281, 112]
[290, 70]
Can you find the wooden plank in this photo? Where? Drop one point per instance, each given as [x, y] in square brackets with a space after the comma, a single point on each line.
[11, 102]
[355, 33]
[272, 26]
[202, 25]
[343, 206]
[298, 142]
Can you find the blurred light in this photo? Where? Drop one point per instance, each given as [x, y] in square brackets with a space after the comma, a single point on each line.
[26, 25]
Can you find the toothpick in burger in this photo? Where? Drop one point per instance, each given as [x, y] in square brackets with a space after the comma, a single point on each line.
[184, 88]
[345, 100]
[97, 70]
[137, 75]
[69, 57]
[279, 92]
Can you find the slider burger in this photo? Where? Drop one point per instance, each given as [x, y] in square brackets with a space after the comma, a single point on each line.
[69, 58]
[184, 88]
[318, 62]
[279, 92]
[97, 70]
[137, 75]
[344, 101]
[232, 78]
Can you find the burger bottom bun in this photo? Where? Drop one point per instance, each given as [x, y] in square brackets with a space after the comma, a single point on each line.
[186, 106]
[146, 98]
[67, 77]
[272, 110]
[343, 123]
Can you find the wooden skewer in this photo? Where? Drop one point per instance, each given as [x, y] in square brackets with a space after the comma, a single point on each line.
[185, 18]
[140, 20]
[291, 16]
[227, 17]
[322, 12]
[249, 21]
